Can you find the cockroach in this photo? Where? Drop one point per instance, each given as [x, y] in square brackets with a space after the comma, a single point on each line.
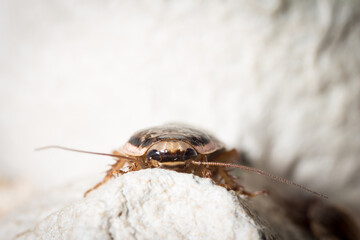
[181, 148]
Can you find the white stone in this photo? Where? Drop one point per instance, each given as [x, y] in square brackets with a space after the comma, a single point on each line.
[147, 204]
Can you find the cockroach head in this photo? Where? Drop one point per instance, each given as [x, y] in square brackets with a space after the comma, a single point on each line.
[171, 151]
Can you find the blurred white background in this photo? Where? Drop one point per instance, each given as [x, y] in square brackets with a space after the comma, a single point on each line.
[278, 79]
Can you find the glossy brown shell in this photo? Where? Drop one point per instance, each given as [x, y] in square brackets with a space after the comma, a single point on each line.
[142, 140]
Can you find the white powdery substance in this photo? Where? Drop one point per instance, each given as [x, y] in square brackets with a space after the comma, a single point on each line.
[150, 204]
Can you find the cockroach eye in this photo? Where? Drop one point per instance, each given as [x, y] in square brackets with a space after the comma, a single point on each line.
[153, 154]
[190, 154]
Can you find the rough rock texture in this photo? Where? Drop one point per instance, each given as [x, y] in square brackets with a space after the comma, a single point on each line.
[149, 204]
[163, 204]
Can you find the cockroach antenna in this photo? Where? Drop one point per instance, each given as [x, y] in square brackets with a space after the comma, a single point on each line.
[82, 151]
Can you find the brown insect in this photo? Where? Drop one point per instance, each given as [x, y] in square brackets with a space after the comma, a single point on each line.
[183, 149]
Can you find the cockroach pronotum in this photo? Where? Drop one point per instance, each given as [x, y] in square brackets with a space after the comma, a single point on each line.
[183, 149]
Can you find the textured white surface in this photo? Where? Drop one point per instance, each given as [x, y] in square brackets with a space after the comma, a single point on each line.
[279, 79]
[148, 204]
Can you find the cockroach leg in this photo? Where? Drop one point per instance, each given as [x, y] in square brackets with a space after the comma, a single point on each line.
[242, 191]
[206, 173]
[114, 170]
[231, 184]
[224, 175]
[253, 194]
[107, 177]
[228, 179]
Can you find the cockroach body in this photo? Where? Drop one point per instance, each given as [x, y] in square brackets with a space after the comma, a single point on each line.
[181, 148]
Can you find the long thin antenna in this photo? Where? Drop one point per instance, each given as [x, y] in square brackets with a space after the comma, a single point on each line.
[269, 175]
[82, 151]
